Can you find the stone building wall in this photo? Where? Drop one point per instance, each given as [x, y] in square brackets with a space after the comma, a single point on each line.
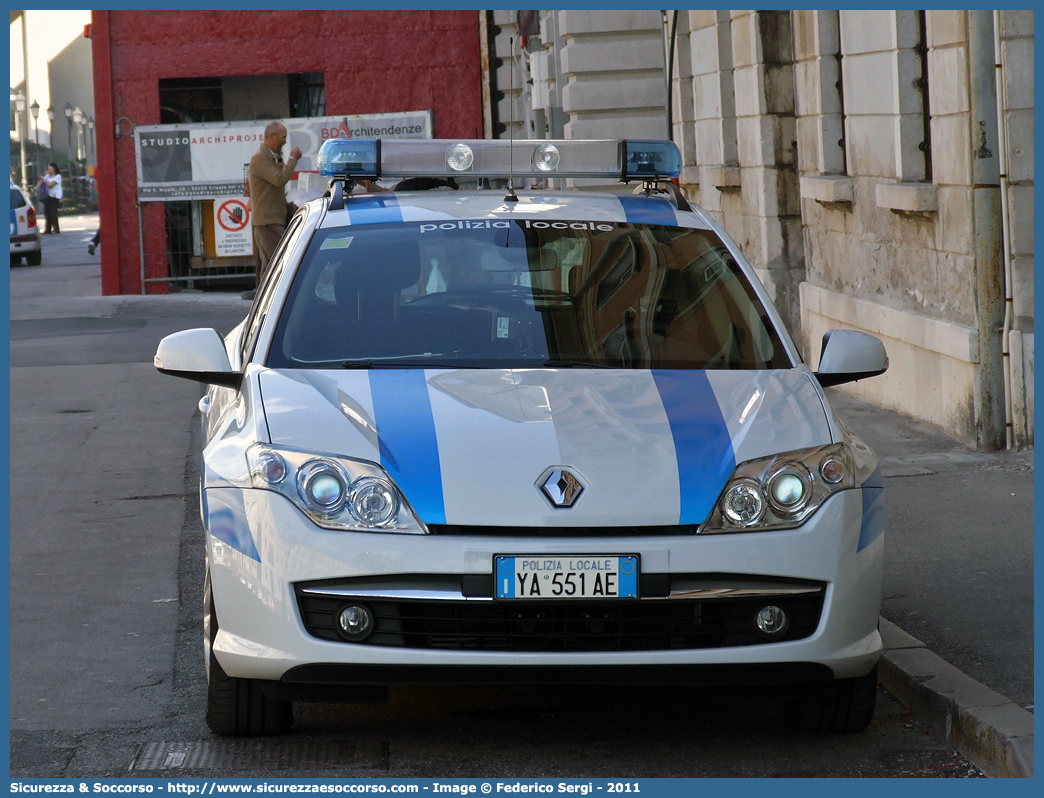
[579, 74]
[1017, 100]
[896, 235]
[853, 156]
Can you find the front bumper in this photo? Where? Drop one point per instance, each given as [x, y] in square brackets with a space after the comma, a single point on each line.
[264, 554]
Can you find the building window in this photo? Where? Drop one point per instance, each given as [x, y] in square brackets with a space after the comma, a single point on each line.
[922, 85]
[307, 92]
[727, 88]
[885, 94]
[240, 97]
[190, 100]
[913, 148]
[833, 21]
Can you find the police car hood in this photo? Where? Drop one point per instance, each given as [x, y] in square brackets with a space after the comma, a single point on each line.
[474, 447]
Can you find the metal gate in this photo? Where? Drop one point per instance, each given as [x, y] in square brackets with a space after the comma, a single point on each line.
[178, 247]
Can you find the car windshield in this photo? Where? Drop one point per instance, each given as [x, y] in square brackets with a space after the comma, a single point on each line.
[522, 294]
[17, 199]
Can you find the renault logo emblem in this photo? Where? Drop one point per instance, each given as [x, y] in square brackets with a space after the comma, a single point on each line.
[561, 487]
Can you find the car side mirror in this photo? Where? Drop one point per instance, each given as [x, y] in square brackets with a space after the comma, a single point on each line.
[848, 356]
[197, 355]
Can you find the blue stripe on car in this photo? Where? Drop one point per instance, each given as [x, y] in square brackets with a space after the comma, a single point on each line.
[702, 442]
[406, 439]
[875, 480]
[373, 209]
[225, 516]
[648, 210]
[873, 523]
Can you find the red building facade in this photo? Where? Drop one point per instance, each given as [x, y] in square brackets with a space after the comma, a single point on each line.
[370, 62]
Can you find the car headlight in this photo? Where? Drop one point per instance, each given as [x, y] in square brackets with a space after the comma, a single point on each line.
[323, 485]
[373, 501]
[334, 492]
[781, 491]
[743, 504]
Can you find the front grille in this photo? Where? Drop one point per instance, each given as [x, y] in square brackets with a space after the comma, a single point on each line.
[563, 531]
[560, 626]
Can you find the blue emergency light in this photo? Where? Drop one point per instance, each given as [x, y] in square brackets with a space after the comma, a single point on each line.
[626, 159]
[651, 159]
[360, 158]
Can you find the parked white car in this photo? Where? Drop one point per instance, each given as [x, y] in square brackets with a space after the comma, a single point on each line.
[25, 233]
[497, 436]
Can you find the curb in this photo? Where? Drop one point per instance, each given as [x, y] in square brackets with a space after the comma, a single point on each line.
[989, 729]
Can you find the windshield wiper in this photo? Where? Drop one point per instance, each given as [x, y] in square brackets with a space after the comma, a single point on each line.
[574, 364]
[398, 364]
[382, 364]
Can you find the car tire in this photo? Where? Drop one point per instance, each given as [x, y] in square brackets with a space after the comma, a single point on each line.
[238, 707]
[846, 706]
[34, 258]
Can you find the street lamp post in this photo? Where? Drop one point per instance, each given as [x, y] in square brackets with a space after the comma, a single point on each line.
[94, 178]
[20, 108]
[84, 188]
[77, 119]
[68, 126]
[50, 130]
[35, 108]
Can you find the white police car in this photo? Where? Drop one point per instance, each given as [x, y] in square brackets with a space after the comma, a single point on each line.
[25, 234]
[538, 436]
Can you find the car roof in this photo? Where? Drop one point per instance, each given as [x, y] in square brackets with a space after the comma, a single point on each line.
[444, 205]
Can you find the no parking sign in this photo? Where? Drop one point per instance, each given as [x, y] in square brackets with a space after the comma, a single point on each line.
[233, 232]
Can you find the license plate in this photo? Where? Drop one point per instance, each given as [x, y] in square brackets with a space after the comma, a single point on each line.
[581, 576]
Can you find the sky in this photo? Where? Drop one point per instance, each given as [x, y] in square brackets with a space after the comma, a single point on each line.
[48, 33]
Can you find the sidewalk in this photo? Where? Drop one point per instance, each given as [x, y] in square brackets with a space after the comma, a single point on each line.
[959, 577]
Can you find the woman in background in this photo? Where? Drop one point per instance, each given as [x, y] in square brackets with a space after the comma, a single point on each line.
[52, 180]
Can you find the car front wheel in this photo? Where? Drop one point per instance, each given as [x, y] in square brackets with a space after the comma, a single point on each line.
[846, 706]
[238, 707]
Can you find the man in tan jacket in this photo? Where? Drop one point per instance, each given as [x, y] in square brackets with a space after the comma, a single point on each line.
[268, 177]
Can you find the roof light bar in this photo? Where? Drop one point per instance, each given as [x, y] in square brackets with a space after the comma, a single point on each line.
[624, 159]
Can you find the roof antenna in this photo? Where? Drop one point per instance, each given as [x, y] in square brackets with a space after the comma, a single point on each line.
[511, 195]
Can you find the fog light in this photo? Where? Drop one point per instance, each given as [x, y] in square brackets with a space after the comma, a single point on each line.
[772, 621]
[355, 622]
